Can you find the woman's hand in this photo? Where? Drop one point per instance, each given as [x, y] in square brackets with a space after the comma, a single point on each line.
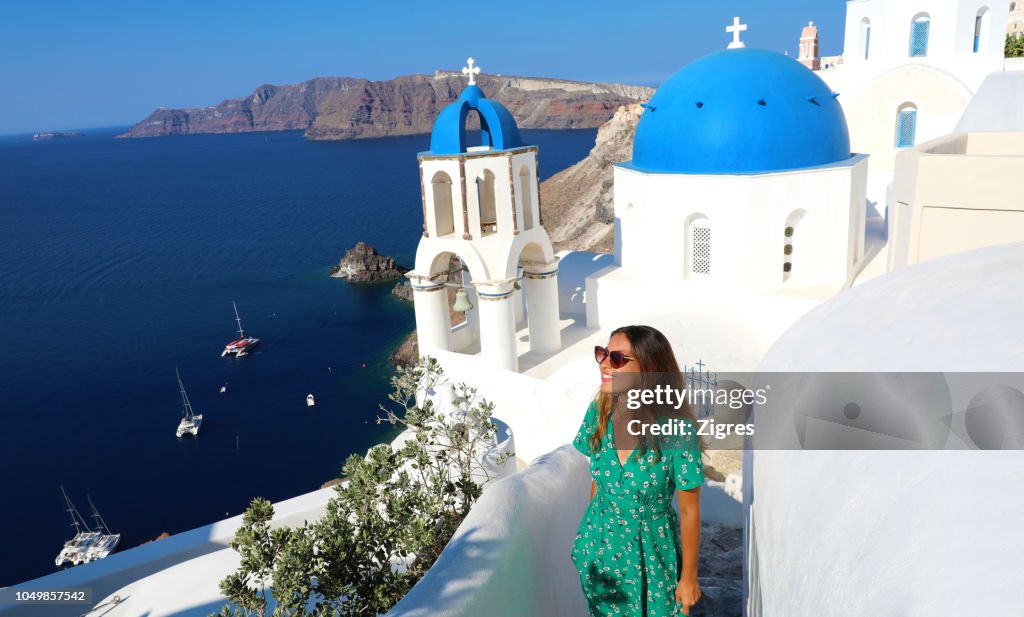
[687, 590]
[687, 593]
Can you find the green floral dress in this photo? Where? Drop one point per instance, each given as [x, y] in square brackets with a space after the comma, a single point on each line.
[627, 549]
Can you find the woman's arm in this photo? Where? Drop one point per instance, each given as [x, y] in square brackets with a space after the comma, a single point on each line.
[593, 489]
[687, 591]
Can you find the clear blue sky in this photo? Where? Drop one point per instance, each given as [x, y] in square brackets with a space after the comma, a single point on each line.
[68, 65]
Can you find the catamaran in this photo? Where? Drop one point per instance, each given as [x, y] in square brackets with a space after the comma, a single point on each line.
[88, 545]
[190, 422]
[243, 344]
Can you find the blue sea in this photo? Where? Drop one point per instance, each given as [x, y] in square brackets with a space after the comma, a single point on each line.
[119, 261]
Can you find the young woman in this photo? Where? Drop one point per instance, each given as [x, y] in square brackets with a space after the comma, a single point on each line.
[634, 558]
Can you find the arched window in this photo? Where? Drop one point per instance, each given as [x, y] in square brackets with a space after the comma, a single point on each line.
[906, 125]
[698, 251]
[526, 190]
[1013, 6]
[865, 36]
[486, 203]
[981, 21]
[919, 35]
[791, 236]
[444, 213]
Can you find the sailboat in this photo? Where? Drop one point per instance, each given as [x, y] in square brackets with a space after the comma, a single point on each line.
[243, 344]
[88, 545]
[190, 422]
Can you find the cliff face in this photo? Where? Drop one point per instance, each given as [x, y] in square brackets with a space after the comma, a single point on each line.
[348, 108]
[268, 108]
[576, 203]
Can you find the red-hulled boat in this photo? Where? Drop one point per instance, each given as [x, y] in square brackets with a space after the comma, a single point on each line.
[243, 344]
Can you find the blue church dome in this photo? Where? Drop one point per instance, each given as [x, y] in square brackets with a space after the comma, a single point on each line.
[740, 111]
[497, 126]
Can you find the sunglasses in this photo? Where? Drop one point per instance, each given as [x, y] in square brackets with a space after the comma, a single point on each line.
[616, 358]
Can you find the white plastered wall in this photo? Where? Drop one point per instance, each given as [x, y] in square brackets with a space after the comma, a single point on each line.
[955, 194]
[950, 40]
[940, 84]
[872, 111]
[748, 215]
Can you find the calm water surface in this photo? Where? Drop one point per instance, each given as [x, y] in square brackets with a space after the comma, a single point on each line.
[119, 260]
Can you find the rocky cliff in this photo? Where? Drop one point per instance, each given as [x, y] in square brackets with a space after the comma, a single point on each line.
[350, 108]
[363, 264]
[576, 203]
[268, 108]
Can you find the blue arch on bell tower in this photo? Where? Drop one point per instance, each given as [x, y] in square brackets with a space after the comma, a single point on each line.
[498, 128]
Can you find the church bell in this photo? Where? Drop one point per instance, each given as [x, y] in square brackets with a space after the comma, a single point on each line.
[462, 303]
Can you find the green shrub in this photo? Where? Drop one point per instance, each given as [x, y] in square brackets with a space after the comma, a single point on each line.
[1014, 46]
[387, 523]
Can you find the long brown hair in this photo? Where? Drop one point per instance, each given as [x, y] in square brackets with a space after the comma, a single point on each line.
[658, 365]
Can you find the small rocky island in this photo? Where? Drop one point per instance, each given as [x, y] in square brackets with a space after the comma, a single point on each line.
[48, 135]
[403, 291]
[363, 264]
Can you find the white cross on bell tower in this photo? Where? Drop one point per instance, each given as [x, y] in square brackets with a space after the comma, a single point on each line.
[735, 30]
[471, 70]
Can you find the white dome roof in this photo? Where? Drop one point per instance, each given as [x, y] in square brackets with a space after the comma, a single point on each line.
[892, 519]
[961, 312]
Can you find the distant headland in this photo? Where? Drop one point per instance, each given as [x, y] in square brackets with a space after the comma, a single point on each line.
[47, 135]
[335, 108]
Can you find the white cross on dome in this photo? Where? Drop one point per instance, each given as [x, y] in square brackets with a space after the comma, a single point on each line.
[735, 29]
[471, 70]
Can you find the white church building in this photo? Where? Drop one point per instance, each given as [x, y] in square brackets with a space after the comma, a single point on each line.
[748, 230]
[742, 177]
[909, 69]
[742, 198]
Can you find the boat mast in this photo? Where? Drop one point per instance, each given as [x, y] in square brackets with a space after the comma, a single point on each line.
[96, 515]
[186, 407]
[239, 320]
[75, 516]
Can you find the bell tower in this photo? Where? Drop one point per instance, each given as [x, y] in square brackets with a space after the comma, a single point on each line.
[481, 204]
[809, 54]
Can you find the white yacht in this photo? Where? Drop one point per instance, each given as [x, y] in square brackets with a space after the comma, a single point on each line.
[190, 422]
[88, 545]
